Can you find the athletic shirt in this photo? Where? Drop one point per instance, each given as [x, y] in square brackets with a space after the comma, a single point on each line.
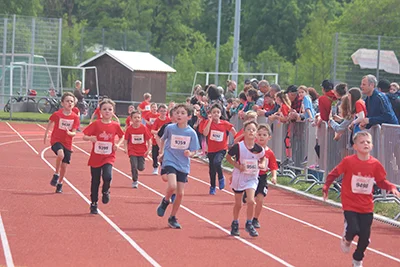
[271, 163]
[251, 159]
[61, 123]
[137, 140]
[151, 118]
[97, 113]
[158, 123]
[103, 149]
[128, 121]
[217, 137]
[75, 110]
[145, 106]
[360, 106]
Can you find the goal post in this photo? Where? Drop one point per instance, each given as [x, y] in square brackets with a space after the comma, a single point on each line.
[242, 76]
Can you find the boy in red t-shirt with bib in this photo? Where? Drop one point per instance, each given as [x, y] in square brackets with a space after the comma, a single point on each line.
[144, 107]
[158, 123]
[360, 172]
[65, 124]
[137, 144]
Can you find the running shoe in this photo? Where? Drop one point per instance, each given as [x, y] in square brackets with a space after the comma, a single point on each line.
[173, 223]
[135, 184]
[250, 229]
[212, 190]
[235, 228]
[59, 188]
[221, 183]
[54, 180]
[256, 223]
[106, 197]
[93, 208]
[162, 207]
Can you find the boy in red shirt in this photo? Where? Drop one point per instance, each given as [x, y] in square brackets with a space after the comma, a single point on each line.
[360, 172]
[128, 123]
[144, 107]
[137, 144]
[65, 124]
[158, 123]
[216, 130]
[151, 116]
[102, 157]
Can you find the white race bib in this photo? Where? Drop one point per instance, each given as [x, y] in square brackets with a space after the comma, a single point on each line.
[103, 148]
[180, 142]
[147, 107]
[152, 120]
[216, 136]
[362, 185]
[65, 124]
[251, 166]
[137, 138]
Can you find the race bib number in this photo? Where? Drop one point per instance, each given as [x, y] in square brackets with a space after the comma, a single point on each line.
[103, 148]
[137, 139]
[152, 120]
[180, 142]
[65, 124]
[216, 136]
[362, 185]
[147, 108]
[251, 166]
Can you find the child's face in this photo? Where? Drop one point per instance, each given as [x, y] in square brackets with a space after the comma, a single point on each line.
[163, 112]
[107, 111]
[215, 114]
[131, 109]
[392, 89]
[153, 109]
[363, 144]
[263, 137]
[136, 119]
[278, 101]
[68, 103]
[148, 99]
[181, 115]
[205, 99]
[249, 99]
[242, 101]
[173, 117]
[250, 131]
[269, 100]
[302, 93]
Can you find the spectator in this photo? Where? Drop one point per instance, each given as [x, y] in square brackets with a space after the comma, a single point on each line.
[307, 108]
[379, 109]
[357, 107]
[314, 98]
[292, 92]
[393, 95]
[264, 88]
[230, 90]
[339, 91]
[325, 101]
[345, 113]
[274, 89]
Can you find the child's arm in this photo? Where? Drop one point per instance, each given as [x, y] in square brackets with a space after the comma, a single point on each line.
[335, 173]
[91, 138]
[273, 176]
[235, 164]
[360, 117]
[206, 130]
[262, 164]
[148, 148]
[126, 146]
[49, 125]
[92, 117]
[238, 138]
[71, 133]
[233, 131]
[116, 118]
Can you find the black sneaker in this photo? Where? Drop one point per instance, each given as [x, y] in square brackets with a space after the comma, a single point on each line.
[173, 223]
[93, 208]
[250, 229]
[235, 228]
[54, 180]
[162, 207]
[106, 197]
[59, 188]
[256, 223]
[244, 197]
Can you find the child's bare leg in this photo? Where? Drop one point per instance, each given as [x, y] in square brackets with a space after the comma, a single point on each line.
[60, 156]
[250, 203]
[63, 170]
[237, 206]
[259, 204]
[171, 185]
[178, 200]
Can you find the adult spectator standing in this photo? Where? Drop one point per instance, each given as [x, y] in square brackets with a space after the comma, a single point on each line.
[292, 92]
[274, 89]
[80, 93]
[230, 90]
[325, 101]
[264, 88]
[379, 109]
[385, 87]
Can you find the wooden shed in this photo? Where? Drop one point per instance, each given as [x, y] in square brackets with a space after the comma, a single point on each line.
[126, 76]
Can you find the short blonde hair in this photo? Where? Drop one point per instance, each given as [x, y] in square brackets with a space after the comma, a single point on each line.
[361, 133]
[250, 115]
[147, 96]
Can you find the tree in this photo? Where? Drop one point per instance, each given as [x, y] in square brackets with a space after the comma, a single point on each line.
[21, 7]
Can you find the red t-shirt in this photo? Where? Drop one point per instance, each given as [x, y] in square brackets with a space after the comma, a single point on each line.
[145, 106]
[128, 121]
[360, 106]
[75, 110]
[97, 113]
[285, 110]
[268, 107]
[217, 137]
[61, 123]
[272, 165]
[137, 140]
[357, 183]
[103, 149]
[151, 118]
[325, 105]
[158, 123]
[238, 134]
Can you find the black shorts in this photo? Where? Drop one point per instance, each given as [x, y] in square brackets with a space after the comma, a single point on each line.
[262, 187]
[238, 191]
[67, 153]
[180, 176]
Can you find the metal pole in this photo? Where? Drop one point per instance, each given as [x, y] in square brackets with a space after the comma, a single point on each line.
[125, 41]
[31, 59]
[218, 41]
[81, 54]
[335, 56]
[236, 40]
[207, 78]
[13, 38]
[102, 37]
[59, 53]
[11, 88]
[378, 58]
[3, 78]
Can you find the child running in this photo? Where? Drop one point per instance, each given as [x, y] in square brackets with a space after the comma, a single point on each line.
[360, 172]
[216, 130]
[64, 123]
[178, 144]
[249, 158]
[158, 123]
[137, 144]
[144, 107]
[128, 122]
[102, 157]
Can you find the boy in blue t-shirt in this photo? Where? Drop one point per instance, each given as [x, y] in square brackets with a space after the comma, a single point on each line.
[178, 143]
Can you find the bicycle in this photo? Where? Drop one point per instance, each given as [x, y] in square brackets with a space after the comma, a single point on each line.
[16, 99]
[50, 103]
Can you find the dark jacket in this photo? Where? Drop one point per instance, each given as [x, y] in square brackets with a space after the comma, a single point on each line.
[395, 101]
[379, 109]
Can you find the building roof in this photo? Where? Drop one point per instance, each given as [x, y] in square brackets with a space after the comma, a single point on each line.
[135, 61]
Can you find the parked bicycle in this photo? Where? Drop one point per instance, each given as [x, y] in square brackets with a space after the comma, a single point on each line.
[30, 97]
[50, 103]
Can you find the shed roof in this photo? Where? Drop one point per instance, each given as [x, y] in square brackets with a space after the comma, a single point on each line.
[135, 61]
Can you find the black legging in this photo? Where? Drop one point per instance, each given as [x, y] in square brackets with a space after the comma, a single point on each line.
[214, 164]
[154, 154]
[106, 172]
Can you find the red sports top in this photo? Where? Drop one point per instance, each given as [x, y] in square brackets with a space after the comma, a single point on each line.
[128, 121]
[137, 140]
[360, 106]
[103, 149]
[217, 137]
[325, 105]
[272, 165]
[158, 123]
[145, 106]
[61, 123]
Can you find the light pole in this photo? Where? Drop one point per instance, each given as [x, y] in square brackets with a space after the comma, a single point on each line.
[236, 39]
[218, 41]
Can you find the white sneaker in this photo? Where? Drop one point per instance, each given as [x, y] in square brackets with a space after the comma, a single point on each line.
[135, 185]
[345, 245]
[357, 263]
[155, 171]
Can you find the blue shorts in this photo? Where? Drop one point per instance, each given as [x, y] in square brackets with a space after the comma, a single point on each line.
[180, 176]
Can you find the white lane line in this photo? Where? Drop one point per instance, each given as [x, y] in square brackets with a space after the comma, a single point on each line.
[108, 220]
[6, 247]
[305, 223]
[204, 219]
[20, 136]
[17, 141]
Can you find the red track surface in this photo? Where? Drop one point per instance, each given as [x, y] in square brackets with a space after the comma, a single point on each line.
[48, 229]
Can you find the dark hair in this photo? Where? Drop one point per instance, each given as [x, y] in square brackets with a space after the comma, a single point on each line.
[200, 93]
[216, 105]
[355, 93]
[213, 92]
[313, 93]
[66, 94]
[253, 94]
[188, 109]
[229, 101]
[265, 127]
[135, 112]
[247, 123]
[162, 106]
[242, 96]
[171, 111]
[327, 85]
[384, 85]
[341, 89]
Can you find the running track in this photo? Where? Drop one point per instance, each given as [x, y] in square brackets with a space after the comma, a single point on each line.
[41, 228]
